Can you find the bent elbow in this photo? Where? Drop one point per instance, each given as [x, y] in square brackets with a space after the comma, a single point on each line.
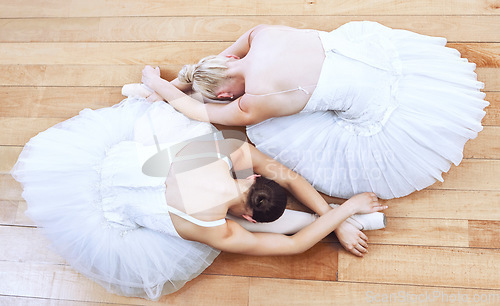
[241, 119]
[296, 247]
[251, 116]
[250, 120]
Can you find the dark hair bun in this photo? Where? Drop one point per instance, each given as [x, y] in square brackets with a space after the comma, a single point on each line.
[267, 200]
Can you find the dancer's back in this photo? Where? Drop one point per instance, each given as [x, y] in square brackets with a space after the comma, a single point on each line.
[280, 59]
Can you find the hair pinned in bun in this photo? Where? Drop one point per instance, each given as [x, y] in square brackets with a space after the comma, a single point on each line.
[267, 200]
[186, 75]
[206, 76]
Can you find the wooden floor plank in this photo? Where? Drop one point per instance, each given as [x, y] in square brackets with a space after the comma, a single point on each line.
[18, 131]
[8, 157]
[10, 189]
[449, 267]
[485, 145]
[8, 211]
[428, 232]
[12, 212]
[484, 234]
[50, 29]
[447, 204]
[491, 79]
[157, 53]
[321, 264]
[55, 102]
[26, 244]
[63, 283]
[77, 75]
[54, 8]
[30, 246]
[483, 54]
[25, 301]
[223, 269]
[492, 116]
[298, 292]
[472, 174]
[117, 53]
[223, 28]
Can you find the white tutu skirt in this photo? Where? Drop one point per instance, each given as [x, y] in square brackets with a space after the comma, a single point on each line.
[391, 112]
[84, 187]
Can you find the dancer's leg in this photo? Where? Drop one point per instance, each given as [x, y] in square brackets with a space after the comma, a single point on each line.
[290, 222]
[293, 221]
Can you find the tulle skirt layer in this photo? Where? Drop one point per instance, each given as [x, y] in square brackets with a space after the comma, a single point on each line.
[83, 186]
[435, 107]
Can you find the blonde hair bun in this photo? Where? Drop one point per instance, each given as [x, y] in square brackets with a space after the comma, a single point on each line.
[205, 76]
[186, 75]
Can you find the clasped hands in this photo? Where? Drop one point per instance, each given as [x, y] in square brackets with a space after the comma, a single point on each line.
[149, 76]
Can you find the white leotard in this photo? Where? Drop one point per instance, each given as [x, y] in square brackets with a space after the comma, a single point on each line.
[182, 214]
[159, 166]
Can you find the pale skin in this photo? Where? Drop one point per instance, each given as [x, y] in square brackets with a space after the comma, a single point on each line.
[288, 57]
[216, 193]
[291, 57]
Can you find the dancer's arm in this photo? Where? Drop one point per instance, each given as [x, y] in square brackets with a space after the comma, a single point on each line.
[247, 156]
[239, 48]
[181, 86]
[226, 114]
[243, 44]
[233, 238]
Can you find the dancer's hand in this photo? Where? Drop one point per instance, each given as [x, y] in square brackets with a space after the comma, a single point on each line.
[352, 239]
[149, 74]
[365, 203]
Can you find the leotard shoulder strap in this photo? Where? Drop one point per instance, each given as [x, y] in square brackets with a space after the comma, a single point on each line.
[159, 165]
[283, 91]
[185, 216]
[191, 219]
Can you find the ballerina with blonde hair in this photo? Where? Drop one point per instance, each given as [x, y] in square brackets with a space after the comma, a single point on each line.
[363, 108]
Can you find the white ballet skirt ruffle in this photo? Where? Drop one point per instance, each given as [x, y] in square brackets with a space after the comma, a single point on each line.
[84, 187]
[391, 111]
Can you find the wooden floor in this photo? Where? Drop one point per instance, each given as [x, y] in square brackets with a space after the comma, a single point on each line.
[441, 245]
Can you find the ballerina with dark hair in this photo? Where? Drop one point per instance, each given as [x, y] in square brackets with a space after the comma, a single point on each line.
[138, 197]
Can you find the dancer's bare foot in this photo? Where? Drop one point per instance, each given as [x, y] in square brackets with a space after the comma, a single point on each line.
[352, 239]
